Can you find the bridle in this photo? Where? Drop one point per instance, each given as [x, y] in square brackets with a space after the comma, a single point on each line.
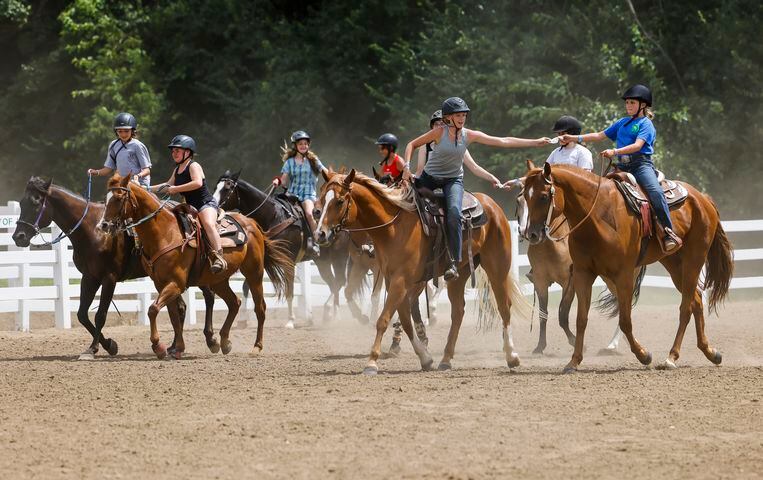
[347, 199]
[233, 186]
[123, 210]
[36, 225]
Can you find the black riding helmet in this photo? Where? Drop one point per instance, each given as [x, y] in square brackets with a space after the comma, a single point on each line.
[568, 124]
[437, 115]
[183, 141]
[639, 92]
[125, 120]
[299, 135]
[454, 105]
[389, 140]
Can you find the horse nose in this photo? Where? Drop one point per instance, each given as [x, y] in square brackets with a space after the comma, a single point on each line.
[317, 214]
[321, 237]
[104, 226]
[534, 237]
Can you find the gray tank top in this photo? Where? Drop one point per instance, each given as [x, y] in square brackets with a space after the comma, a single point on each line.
[447, 158]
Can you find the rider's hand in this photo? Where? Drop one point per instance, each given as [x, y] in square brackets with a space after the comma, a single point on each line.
[542, 141]
[94, 171]
[136, 179]
[276, 181]
[608, 153]
[407, 176]
[496, 183]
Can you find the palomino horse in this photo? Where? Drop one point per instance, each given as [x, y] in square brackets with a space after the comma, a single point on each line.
[233, 193]
[102, 259]
[354, 202]
[605, 240]
[172, 265]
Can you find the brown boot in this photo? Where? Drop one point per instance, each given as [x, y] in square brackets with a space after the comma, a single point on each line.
[217, 262]
[671, 242]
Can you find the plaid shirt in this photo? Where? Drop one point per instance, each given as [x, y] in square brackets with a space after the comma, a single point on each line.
[302, 180]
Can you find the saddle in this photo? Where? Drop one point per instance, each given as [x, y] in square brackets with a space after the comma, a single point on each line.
[296, 215]
[638, 202]
[232, 234]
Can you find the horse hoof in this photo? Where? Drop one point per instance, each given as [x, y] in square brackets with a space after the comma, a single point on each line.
[370, 371]
[364, 320]
[667, 365]
[177, 355]
[394, 349]
[214, 347]
[647, 360]
[86, 356]
[513, 361]
[289, 325]
[717, 358]
[538, 351]
[160, 350]
[113, 348]
[256, 350]
[569, 369]
[226, 347]
[444, 366]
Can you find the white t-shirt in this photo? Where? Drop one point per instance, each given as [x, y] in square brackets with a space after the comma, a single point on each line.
[578, 156]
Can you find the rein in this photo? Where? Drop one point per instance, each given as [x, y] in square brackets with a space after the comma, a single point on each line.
[340, 226]
[62, 235]
[147, 217]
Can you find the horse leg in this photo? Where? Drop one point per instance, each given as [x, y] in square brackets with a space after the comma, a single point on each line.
[542, 293]
[354, 284]
[88, 288]
[404, 312]
[624, 292]
[615, 342]
[568, 295]
[224, 291]
[434, 294]
[499, 278]
[418, 324]
[178, 321]
[242, 322]
[582, 280]
[395, 294]
[339, 263]
[254, 276]
[167, 294]
[378, 281]
[107, 293]
[209, 330]
[457, 303]
[289, 291]
[324, 269]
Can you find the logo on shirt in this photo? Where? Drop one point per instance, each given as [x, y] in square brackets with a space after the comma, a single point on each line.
[634, 129]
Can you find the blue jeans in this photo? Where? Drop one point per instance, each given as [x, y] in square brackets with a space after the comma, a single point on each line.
[646, 176]
[453, 188]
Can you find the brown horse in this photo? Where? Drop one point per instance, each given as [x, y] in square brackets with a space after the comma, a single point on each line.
[172, 266]
[605, 241]
[355, 202]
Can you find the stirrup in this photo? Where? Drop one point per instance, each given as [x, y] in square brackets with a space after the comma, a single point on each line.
[218, 263]
[671, 242]
[451, 273]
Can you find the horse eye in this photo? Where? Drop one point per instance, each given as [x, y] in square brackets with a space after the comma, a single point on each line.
[340, 201]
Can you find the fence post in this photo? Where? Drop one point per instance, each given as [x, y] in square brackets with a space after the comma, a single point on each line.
[513, 226]
[190, 300]
[303, 272]
[22, 312]
[144, 301]
[61, 279]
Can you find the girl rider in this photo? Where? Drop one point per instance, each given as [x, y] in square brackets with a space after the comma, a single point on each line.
[300, 172]
[126, 154]
[635, 135]
[392, 164]
[445, 166]
[188, 180]
[570, 152]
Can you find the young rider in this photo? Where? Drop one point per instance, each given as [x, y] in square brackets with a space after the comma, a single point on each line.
[444, 169]
[634, 136]
[392, 164]
[300, 172]
[188, 180]
[126, 153]
[570, 152]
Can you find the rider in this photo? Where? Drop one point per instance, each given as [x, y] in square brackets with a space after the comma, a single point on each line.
[126, 153]
[392, 164]
[300, 171]
[635, 135]
[570, 152]
[445, 166]
[188, 180]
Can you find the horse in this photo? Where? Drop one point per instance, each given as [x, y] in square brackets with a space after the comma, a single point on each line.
[356, 202]
[103, 260]
[233, 193]
[174, 266]
[605, 240]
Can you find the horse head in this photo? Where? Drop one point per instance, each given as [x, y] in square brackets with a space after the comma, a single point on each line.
[121, 204]
[225, 189]
[336, 205]
[35, 211]
[540, 199]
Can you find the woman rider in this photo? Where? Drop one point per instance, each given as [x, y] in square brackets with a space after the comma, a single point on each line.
[444, 169]
[188, 180]
[392, 164]
[126, 153]
[634, 136]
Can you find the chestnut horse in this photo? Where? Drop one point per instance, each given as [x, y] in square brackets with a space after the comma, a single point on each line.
[103, 260]
[355, 202]
[172, 266]
[605, 240]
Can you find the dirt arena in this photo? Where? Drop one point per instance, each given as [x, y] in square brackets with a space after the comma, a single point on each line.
[302, 409]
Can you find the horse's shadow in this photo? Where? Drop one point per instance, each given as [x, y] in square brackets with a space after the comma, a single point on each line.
[131, 357]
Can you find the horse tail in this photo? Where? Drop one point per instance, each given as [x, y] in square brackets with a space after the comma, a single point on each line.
[353, 291]
[607, 302]
[277, 260]
[719, 268]
[487, 307]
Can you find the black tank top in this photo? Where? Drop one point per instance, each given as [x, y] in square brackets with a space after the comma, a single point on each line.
[195, 198]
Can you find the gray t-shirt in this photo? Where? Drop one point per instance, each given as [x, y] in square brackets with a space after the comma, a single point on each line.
[129, 157]
[447, 157]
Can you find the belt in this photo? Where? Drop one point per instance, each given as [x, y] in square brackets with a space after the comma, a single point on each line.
[626, 159]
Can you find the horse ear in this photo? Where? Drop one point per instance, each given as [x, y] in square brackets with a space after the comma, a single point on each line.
[530, 165]
[124, 181]
[47, 185]
[237, 174]
[350, 177]
[547, 172]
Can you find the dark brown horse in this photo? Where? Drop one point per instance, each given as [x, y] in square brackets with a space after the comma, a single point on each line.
[102, 259]
[605, 241]
[354, 201]
[173, 267]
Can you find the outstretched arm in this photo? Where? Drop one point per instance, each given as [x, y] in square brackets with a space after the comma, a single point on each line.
[479, 171]
[588, 137]
[475, 136]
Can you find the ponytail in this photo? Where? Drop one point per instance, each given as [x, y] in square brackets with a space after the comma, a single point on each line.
[648, 113]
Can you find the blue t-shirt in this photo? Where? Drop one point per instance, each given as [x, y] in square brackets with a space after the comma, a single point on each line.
[625, 135]
[302, 180]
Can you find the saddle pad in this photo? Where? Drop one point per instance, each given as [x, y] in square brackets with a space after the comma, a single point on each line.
[231, 233]
[675, 194]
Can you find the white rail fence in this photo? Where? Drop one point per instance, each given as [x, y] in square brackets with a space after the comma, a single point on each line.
[23, 269]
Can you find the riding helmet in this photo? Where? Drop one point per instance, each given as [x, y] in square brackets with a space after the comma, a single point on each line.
[389, 140]
[454, 105]
[183, 141]
[299, 135]
[437, 115]
[125, 120]
[639, 92]
[568, 124]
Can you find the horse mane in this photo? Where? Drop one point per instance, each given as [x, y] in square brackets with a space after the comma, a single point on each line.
[39, 183]
[401, 196]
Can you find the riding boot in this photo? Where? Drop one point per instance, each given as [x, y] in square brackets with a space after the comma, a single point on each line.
[671, 242]
[217, 262]
[451, 273]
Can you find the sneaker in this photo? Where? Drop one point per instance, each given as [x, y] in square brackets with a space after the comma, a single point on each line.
[669, 243]
[218, 262]
[451, 273]
[368, 249]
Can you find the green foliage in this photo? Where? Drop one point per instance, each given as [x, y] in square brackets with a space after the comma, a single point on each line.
[14, 11]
